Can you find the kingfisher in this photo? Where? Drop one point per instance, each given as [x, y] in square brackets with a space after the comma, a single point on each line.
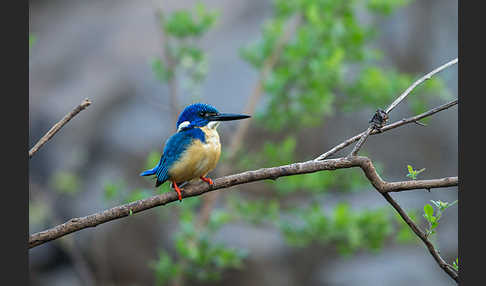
[194, 150]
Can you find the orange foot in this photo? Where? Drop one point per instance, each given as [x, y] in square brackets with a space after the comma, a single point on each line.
[207, 180]
[177, 189]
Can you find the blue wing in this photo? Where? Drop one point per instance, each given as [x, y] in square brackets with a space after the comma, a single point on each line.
[174, 147]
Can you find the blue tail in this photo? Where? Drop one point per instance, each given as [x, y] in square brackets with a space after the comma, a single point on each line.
[149, 172]
[152, 171]
[160, 171]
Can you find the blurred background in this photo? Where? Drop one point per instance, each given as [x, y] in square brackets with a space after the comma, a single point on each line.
[325, 67]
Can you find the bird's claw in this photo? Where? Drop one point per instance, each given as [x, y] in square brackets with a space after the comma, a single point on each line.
[178, 190]
[207, 180]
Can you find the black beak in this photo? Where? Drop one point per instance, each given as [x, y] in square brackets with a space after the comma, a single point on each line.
[227, 117]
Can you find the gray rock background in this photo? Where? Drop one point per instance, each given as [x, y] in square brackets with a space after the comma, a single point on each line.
[102, 50]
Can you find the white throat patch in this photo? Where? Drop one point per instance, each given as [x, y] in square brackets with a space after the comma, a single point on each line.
[213, 125]
[183, 125]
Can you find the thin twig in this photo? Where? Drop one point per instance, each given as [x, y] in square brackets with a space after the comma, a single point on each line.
[419, 81]
[117, 212]
[361, 141]
[363, 138]
[58, 126]
[444, 265]
[386, 128]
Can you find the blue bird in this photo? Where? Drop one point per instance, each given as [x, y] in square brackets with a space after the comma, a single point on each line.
[194, 150]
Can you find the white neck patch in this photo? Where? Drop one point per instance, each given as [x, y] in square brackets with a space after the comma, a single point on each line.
[213, 125]
[183, 125]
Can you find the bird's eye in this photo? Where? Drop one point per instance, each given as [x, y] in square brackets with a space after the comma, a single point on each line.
[202, 114]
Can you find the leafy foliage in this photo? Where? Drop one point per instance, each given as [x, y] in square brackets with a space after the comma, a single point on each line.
[329, 63]
[165, 268]
[349, 230]
[432, 219]
[181, 29]
[385, 6]
[199, 255]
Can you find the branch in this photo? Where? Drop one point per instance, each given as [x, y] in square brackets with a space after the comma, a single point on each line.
[54, 129]
[67, 244]
[385, 113]
[444, 265]
[396, 124]
[419, 81]
[93, 220]
[362, 140]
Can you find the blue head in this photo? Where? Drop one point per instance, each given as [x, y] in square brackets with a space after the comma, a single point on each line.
[200, 115]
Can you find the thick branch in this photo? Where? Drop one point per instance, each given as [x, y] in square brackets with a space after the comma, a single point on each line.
[93, 220]
[396, 124]
[58, 126]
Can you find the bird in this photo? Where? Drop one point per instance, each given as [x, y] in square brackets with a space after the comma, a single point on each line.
[194, 150]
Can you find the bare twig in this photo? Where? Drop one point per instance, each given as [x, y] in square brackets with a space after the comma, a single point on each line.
[93, 220]
[386, 128]
[399, 99]
[58, 126]
[361, 141]
[418, 82]
[444, 265]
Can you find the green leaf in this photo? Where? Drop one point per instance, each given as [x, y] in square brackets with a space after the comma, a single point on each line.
[410, 169]
[455, 264]
[429, 212]
[420, 171]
